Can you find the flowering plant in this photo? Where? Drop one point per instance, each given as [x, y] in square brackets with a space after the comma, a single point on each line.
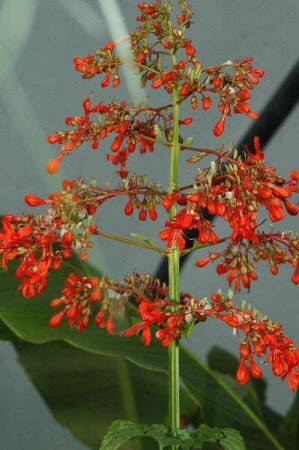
[234, 186]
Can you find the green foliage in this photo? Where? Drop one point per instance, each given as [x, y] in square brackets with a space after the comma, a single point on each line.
[121, 431]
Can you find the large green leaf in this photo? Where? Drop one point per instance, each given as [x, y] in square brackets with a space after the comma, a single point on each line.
[222, 405]
[289, 427]
[86, 391]
[227, 364]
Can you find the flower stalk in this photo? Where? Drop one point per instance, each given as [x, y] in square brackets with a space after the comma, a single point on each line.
[174, 273]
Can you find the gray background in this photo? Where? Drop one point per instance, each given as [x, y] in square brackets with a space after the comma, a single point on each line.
[39, 88]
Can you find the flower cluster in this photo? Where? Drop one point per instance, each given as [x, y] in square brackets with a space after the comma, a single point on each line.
[41, 242]
[234, 187]
[80, 298]
[84, 297]
[31, 240]
[131, 132]
[257, 334]
[231, 81]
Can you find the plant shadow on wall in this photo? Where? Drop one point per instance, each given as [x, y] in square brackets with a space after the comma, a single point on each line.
[206, 407]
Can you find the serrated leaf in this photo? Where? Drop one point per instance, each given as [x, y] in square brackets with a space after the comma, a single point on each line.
[140, 237]
[120, 432]
[232, 440]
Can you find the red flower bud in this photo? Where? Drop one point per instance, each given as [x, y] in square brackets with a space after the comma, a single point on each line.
[110, 45]
[259, 72]
[217, 81]
[129, 208]
[95, 296]
[216, 297]
[202, 262]
[146, 334]
[190, 50]
[255, 369]
[274, 269]
[86, 105]
[141, 57]
[244, 94]
[153, 213]
[56, 319]
[253, 115]
[219, 127]
[117, 143]
[116, 81]
[253, 78]
[56, 302]
[106, 80]
[53, 165]
[91, 209]
[186, 121]
[34, 200]
[184, 90]
[167, 44]
[68, 237]
[110, 325]
[242, 375]
[242, 108]
[294, 175]
[194, 102]
[157, 83]
[206, 103]
[53, 138]
[94, 281]
[143, 214]
[291, 208]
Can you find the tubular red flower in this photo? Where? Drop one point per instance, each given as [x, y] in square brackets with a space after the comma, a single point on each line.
[242, 375]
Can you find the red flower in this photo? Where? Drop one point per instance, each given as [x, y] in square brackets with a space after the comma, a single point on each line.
[242, 375]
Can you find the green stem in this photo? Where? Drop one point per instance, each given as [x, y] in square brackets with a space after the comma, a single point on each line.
[173, 367]
[174, 275]
[128, 397]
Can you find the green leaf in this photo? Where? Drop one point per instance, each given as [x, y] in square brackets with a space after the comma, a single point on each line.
[187, 330]
[289, 426]
[188, 141]
[226, 364]
[232, 440]
[140, 237]
[158, 131]
[122, 431]
[86, 392]
[221, 403]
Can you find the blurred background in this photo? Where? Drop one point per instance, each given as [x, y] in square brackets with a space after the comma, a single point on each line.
[39, 88]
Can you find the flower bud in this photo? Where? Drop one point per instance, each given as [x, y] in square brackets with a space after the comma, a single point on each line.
[34, 200]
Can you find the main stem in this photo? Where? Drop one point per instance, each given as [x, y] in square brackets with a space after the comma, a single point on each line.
[174, 276]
